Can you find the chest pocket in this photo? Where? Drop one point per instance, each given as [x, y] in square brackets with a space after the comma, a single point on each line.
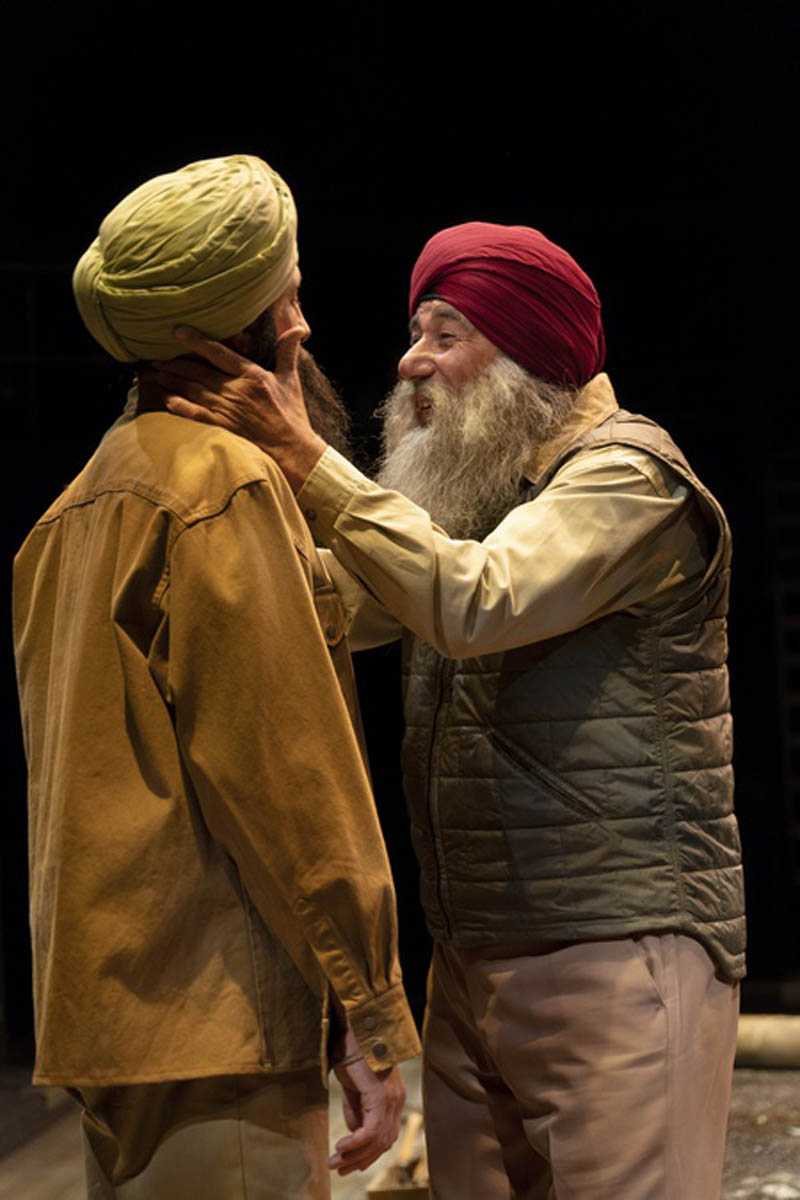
[327, 602]
[330, 614]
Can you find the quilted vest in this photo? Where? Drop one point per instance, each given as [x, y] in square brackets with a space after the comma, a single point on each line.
[581, 788]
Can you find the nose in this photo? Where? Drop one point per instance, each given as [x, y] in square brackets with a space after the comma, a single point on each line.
[415, 363]
[304, 325]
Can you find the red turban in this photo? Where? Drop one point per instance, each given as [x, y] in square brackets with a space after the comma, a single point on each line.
[524, 293]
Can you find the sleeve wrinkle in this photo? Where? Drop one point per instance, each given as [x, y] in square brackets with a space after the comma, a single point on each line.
[592, 539]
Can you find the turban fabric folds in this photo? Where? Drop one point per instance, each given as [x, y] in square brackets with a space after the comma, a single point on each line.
[524, 293]
[211, 245]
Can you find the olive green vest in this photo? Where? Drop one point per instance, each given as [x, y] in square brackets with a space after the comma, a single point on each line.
[581, 788]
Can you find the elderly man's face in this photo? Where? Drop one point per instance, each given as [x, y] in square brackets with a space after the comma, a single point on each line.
[446, 349]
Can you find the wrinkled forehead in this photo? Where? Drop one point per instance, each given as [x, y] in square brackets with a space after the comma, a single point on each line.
[432, 309]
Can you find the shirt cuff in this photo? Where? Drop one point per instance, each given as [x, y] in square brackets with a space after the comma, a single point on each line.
[328, 490]
[384, 1029]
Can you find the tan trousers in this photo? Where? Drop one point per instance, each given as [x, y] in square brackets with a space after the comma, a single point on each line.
[597, 1071]
[238, 1137]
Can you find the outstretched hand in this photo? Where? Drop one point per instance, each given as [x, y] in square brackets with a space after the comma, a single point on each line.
[267, 407]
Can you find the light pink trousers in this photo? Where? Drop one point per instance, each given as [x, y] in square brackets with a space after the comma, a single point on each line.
[595, 1071]
[237, 1137]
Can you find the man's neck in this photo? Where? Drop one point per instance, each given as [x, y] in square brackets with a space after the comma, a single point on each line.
[151, 397]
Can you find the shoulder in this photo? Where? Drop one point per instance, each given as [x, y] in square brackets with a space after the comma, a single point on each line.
[184, 466]
[623, 467]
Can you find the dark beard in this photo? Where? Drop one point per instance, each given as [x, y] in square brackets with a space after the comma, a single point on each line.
[328, 416]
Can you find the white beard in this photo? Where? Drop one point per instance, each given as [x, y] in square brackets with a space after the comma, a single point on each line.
[466, 467]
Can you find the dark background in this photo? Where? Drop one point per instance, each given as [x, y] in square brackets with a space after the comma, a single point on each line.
[655, 142]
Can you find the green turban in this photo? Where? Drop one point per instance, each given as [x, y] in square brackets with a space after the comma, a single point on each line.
[211, 245]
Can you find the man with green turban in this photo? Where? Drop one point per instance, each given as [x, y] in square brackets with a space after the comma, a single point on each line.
[214, 243]
[212, 910]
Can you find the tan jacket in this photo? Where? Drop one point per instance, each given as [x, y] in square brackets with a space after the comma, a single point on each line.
[205, 854]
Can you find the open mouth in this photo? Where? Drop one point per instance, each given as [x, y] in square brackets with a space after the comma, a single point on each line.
[423, 409]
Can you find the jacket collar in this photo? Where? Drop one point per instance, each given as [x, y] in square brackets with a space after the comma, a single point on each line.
[593, 404]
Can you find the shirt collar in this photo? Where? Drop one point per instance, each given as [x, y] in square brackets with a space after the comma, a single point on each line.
[593, 403]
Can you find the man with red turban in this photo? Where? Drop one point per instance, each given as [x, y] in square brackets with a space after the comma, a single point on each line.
[562, 577]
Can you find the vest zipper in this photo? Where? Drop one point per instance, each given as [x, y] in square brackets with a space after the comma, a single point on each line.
[444, 668]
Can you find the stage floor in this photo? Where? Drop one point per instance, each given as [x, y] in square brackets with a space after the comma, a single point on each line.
[763, 1157]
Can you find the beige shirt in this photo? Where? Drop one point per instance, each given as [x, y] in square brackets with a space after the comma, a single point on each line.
[614, 529]
[206, 859]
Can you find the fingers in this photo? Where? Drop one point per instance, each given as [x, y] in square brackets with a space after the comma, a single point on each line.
[214, 352]
[195, 402]
[360, 1156]
[287, 350]
[359, 1139]
[346, 1161]
[189, 388]
[185, 408]
[176, 388]
[359, 1149]
[368, 1137]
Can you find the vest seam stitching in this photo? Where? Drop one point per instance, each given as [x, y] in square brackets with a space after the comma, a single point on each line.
[666, 766]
